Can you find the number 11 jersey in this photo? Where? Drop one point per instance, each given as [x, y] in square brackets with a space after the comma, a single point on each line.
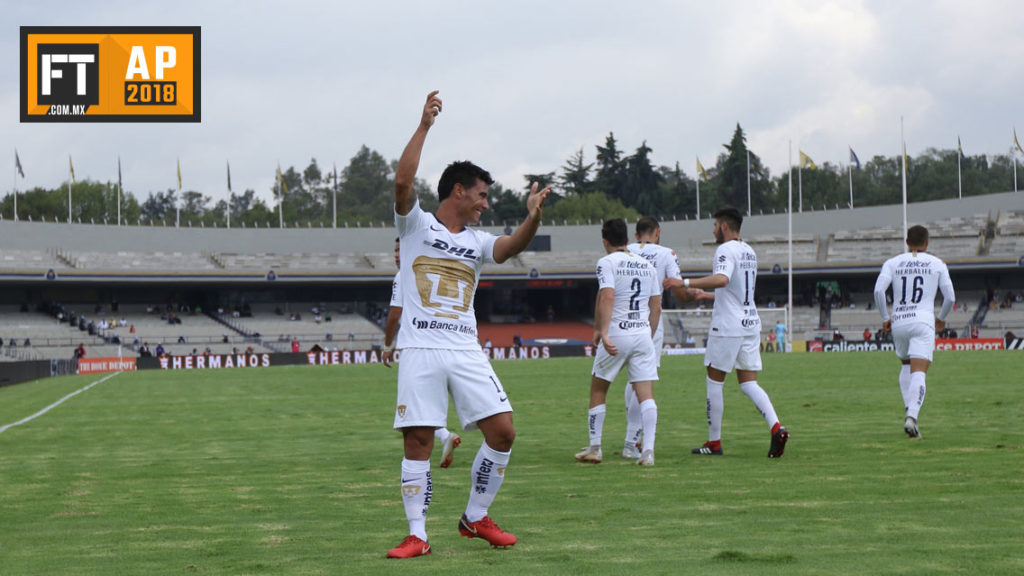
[735, 313]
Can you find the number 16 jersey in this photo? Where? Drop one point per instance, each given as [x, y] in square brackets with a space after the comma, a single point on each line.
[735, 313]
[916, 277]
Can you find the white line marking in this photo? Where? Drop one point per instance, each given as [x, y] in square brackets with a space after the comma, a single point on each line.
[55, 404]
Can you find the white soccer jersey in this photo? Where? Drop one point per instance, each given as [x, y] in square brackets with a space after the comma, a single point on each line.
[665, 263]
[634, 281]
[915, 278]
[396, 291]
[735, 313]
[438, 279]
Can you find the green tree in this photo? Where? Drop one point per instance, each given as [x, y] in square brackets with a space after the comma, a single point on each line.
[575, 178]
[642, 189]
[594, 207]
[611, 170]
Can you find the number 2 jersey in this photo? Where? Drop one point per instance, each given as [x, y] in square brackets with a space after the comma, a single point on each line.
[734, 312]
[916, 278]
[437, 281]
[665, 262]
[634, 281]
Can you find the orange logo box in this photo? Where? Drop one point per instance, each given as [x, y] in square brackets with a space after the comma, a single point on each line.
[110, 74]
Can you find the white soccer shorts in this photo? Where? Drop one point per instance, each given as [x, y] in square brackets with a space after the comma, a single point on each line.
[636, 353]
[914, 340]
[728, 353]
[425, 378]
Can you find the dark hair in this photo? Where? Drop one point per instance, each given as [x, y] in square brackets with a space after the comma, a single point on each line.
[917, 236]
[730, 216]
[465, 173]
[615, 232]
[646, 225]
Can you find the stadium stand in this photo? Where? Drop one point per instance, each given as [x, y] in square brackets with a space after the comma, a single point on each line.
[983, 237]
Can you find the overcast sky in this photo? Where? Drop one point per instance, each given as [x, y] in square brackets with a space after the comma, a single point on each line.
[527, 83]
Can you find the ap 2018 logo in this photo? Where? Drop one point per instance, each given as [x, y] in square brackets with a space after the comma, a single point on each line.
[110, 74]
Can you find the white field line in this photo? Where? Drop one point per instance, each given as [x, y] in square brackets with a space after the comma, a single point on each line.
[55, 404]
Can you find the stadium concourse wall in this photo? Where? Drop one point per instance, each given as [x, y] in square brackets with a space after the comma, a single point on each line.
[24, 235]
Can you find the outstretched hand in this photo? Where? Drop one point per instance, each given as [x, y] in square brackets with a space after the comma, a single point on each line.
[431, 109]
[697, 294]
[535, 200]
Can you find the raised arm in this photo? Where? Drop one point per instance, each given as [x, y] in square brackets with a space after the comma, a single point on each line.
[405, 174]
[506, 247]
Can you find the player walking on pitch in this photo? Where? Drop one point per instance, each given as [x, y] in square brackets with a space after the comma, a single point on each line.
[625, 318]
[448, 439]
[440, 269]
[915, 277]
[735, 337]
[666, 265]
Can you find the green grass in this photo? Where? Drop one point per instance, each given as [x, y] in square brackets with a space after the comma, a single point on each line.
[296, 471]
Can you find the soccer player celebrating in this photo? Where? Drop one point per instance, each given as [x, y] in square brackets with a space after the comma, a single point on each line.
[666, 265]
[449, 440]
[625, 317]
[915, 277]
[734, 341]
[438, 336]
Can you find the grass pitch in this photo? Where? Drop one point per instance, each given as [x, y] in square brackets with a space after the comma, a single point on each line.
[295, 471]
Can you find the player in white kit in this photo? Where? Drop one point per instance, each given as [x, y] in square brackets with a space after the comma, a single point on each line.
[916, 278]
[666, 265]
[448, 439]
[441, 263]
[626, 315]
[735, 337]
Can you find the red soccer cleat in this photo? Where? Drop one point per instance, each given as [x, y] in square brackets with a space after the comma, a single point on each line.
[411, 547]
[449, 447]
[486, 528]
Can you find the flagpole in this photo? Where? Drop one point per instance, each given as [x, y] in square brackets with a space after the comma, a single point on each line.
[71, 167]
[904, 143]
[699, 174]
[800, 183]
[177, 201]
[16, 184]
[748, 184]
[959, 177]
[789, 263]
[334, 219]
[849, 172]
[280, 198]
[119, 184]
[229, 194]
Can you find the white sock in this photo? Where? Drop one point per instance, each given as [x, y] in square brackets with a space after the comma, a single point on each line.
[417, 490]
[649, 412]
[905, 384]
[487, 473]
[916, 397]
[595, 421]
[716, 407]
[634, 422]
[761, 400]
[442, 435]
